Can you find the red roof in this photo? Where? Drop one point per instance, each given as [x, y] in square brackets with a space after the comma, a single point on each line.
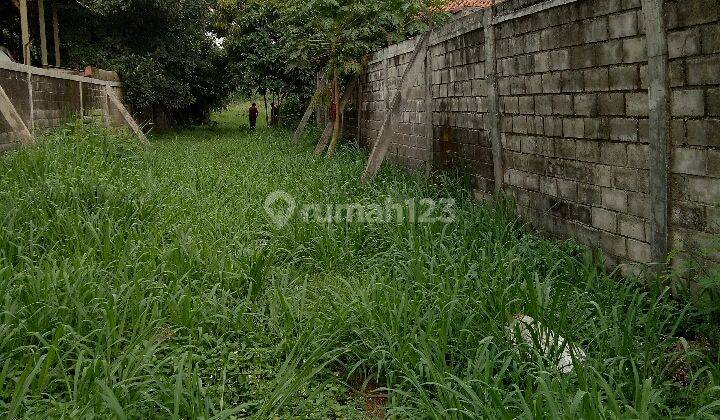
[459, 5]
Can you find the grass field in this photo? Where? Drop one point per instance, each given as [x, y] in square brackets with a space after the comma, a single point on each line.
[151, 284]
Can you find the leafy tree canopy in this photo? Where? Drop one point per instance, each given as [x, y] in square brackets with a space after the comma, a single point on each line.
[257, 55]
[162, 49]
[339, 33]
[186, 56]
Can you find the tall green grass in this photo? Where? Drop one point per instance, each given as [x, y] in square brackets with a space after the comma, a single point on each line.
[150, 284]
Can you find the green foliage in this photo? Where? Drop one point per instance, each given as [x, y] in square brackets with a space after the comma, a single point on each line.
[256, 54]
[161, 49]
[149, 284]
[278, 46]
[340, 33]
[697, 279]
[10, 29]
[186, 56]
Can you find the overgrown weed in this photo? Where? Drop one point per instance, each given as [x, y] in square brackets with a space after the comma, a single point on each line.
[142, 284]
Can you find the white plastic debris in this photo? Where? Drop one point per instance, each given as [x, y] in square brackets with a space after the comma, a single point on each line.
[549, 343]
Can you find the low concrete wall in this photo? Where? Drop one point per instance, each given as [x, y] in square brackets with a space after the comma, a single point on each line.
[44, 98]
[572, 97]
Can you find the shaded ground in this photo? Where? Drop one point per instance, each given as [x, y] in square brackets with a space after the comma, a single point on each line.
[151, 284]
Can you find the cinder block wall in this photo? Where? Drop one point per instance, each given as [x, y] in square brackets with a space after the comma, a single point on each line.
[572, 96]
[574, 123]
[694, 50]
[54, 100]
[460, 105]
[15, 85]
[410, 146]
[46, 98]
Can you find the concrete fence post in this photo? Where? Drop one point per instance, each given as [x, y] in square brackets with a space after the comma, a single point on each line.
[25, 32]
[493, 112]
[31, 102]
[659, 126]
[386, 76]
[106, 108]
[413, 71]
[82, 103]
[43, 33]
[428, 102]
[56, 32]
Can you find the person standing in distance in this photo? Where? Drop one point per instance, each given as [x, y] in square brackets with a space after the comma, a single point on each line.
[253, 115]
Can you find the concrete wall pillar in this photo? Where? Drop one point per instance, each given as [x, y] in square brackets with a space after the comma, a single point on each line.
[43, 34]
[31, 101]
[493, 112]
[82, 102]
[386, 88]
[428, 102]
[25, 29]
[56, 33]
[659, 126]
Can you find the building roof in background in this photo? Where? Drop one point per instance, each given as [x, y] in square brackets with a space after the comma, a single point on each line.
[455, 6]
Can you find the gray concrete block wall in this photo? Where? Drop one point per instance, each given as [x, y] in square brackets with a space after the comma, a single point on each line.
[351, 117]
[458, 136]
[694, 50]
[573, 102]
[408, 146]
[574, 118]
[379, 84]
[373, 104]
[15, 86]
[54, 101]
[49, 101]
[460, 106]
[94, 101]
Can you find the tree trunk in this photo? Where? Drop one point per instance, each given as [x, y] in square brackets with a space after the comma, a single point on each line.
[267, 112]
[336, 126]
[273, 112]
[319, 114]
